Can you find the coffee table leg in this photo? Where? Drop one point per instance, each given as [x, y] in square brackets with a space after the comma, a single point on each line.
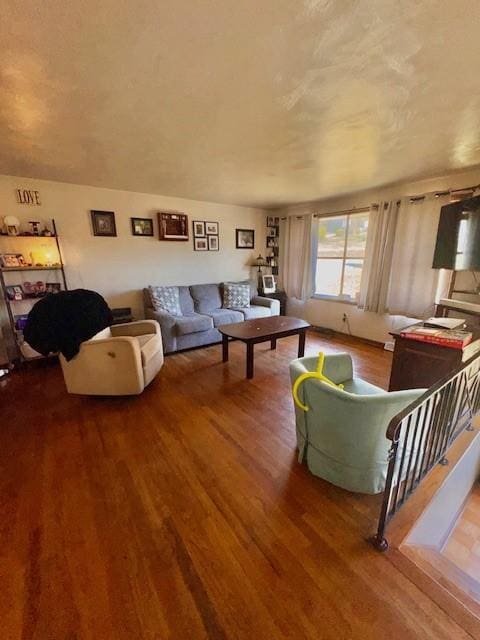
[301, 344]
[273, 343]
[250, 346]
[225, 348]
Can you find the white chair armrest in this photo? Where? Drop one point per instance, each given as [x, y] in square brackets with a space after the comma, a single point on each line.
[139, 328]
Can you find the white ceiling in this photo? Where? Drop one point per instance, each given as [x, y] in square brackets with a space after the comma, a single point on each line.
[263, 102]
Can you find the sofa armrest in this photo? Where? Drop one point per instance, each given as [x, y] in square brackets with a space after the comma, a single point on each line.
[139, 328]
[271, 303]
[167, 324]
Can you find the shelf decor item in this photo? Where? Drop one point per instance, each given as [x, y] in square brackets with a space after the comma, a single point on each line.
[142, 226]
[12, 260]
[172, 226]
[244, 238]
[103, 223]
[12, 225]
[268, 284]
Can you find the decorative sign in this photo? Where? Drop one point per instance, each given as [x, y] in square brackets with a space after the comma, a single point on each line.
[28, 196]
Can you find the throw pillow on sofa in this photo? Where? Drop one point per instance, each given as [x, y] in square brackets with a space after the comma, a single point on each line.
[236, 296]
[166, 299]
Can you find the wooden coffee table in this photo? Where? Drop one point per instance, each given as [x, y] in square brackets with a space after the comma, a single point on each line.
[262, 330]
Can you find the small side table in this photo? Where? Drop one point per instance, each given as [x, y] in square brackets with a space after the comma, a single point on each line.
[281, 296]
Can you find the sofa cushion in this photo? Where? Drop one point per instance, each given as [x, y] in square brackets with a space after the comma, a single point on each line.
[236, 296]
[206, 297]
[193, 323]
[186, 301]
[251, 283]
[254, 311]
[166, 299]
[225, 316]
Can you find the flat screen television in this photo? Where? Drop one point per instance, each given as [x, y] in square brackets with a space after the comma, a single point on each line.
[458, 236]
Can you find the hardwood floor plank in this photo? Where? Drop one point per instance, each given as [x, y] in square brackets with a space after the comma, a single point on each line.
[183, 513]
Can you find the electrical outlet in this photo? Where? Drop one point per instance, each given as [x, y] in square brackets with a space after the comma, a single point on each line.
[344, 317]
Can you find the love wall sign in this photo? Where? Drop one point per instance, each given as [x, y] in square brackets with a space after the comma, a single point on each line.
[28, 196]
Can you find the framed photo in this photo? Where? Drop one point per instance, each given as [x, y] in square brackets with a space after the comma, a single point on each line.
[12, 260]
[14, 292]
[172, 226]
[271, 231]
[268, 284]
[142, 226]
[245, 238]
[270, 221]
[103, 223]
[212, 243]
[200, 244]
[211, 228]
[271, 242]
[53, 287]
[198, 229]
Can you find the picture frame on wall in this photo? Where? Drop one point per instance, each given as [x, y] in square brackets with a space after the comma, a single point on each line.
[213, 243]
[245, 238]
[142, 226]
[200, 244]
[198, 229]
[103, 223]
[211, 228]
[172, 226]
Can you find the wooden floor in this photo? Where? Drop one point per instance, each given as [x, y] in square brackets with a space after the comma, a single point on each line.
[183, 513]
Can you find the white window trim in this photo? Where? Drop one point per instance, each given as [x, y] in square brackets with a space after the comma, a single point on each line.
[344, 299]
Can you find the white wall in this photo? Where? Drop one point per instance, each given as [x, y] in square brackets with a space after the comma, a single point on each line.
[119, 267]
[326, 313]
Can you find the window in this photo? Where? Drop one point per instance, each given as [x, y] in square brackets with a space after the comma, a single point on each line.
[340, 255]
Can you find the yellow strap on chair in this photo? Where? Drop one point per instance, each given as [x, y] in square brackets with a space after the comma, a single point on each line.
[318, 375]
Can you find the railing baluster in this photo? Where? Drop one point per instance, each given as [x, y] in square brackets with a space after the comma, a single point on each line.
[425, 430]
[423, 434]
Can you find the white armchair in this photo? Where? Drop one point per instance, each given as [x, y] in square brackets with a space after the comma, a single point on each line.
[121, 360]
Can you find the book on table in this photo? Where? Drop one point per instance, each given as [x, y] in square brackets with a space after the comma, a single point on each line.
[444, 337]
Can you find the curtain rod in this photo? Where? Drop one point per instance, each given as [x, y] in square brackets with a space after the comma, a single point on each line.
[374, 205]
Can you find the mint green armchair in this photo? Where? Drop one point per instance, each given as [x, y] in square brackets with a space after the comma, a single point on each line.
[342, 436]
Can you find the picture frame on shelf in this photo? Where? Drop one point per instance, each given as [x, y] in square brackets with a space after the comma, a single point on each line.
[211, 228]
[172, 226]
[200, 244]
[142, 226]
[271, 242]
[213, 243]
[198, 229]
[14, 292]
[245, 238]
[268, 284]
[103, 223]
[12, 260]
[53, 287]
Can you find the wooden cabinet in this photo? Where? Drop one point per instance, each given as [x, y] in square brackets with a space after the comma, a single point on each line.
[418, 365]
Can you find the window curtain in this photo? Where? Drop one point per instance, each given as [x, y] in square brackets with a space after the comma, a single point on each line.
[298, 255]
[413, 282]
[382, 224]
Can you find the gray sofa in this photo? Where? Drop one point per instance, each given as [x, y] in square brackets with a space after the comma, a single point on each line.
[202, 313]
